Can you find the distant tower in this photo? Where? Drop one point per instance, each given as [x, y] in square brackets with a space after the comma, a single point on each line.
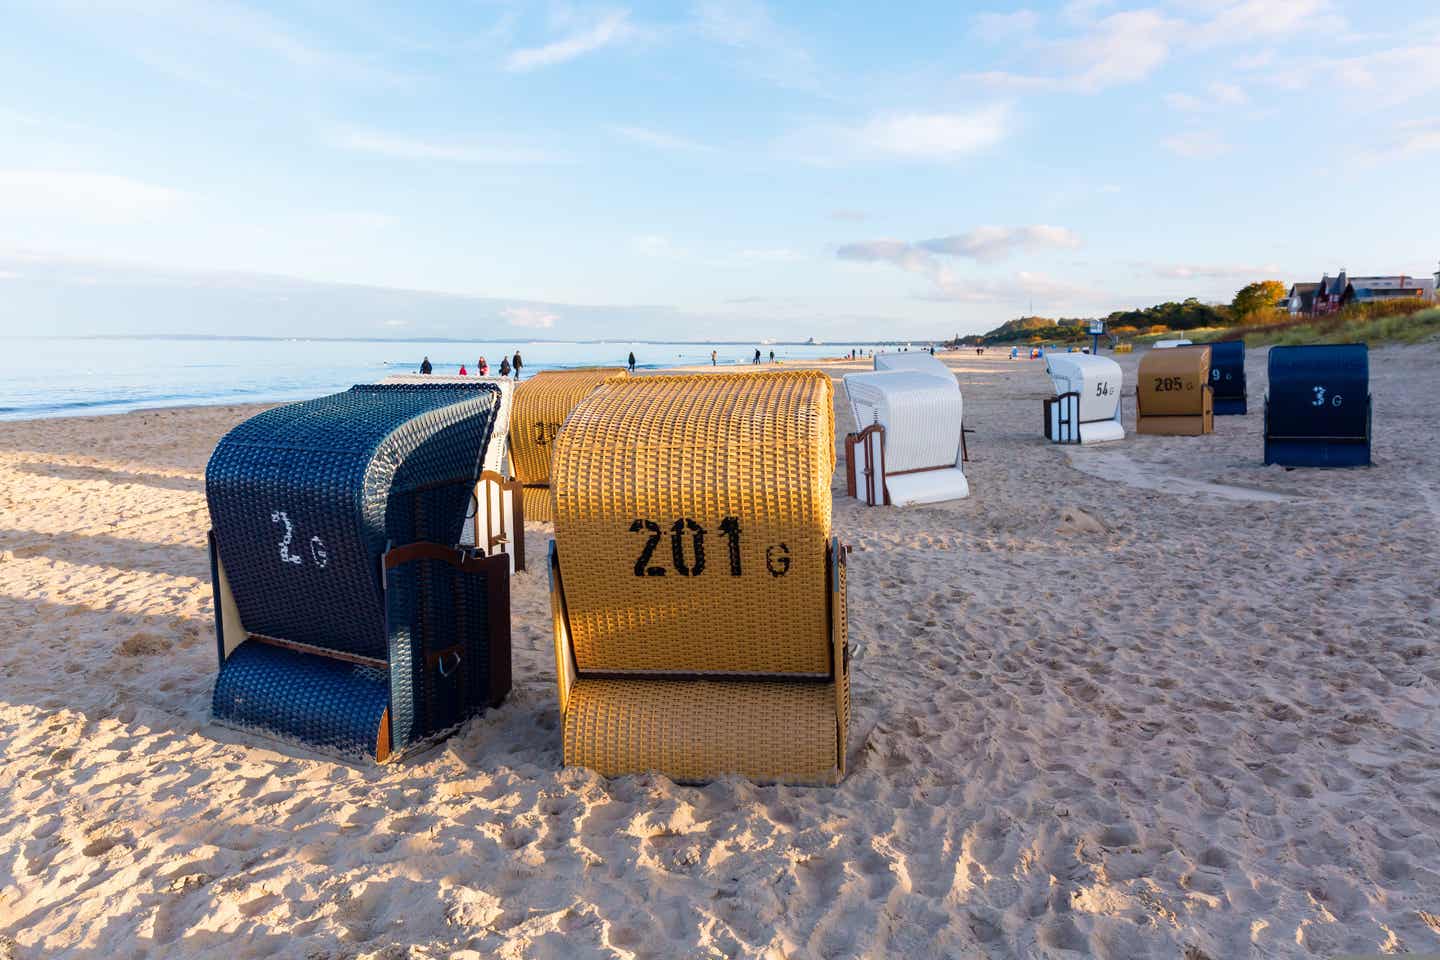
[1437, 283]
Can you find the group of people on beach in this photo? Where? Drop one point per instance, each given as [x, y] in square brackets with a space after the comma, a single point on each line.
[509, 366]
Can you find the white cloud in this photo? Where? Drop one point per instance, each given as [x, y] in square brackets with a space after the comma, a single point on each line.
[87, 196]
[849, 216]
[660, 139]
[1195, 144]
[10, 275]
[654, 245]
[1217, 96]
[393, 323]
[529, 317]
[765, 47]
[987, 244]
[1113, 50]
[611, 29]
[1002, 27]
[1200, 271]
[1249, 20]
[934, 136]
[413, 148]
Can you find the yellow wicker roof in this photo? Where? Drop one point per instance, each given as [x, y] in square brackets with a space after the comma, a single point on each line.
[692, 520]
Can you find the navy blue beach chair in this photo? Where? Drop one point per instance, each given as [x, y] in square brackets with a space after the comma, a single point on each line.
[1227, 377]
[346, 617]
[1317, 408]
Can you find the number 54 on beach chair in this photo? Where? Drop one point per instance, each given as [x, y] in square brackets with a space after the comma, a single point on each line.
[698, 596]
[347, 618]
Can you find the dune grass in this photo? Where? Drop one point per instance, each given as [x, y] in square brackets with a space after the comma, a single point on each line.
[1337, 328]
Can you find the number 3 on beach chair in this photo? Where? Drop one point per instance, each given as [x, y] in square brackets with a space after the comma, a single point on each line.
[697, 594]
[347, 618]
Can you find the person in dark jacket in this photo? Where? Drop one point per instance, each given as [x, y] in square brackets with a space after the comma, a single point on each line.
[632, 361]
[515, 364]
[425, 365]
[504, 367]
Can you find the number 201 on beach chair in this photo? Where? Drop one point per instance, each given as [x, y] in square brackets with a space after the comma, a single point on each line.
[698, 596]
[347, 617]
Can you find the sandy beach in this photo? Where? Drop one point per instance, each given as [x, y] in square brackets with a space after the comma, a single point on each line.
[1151, 699]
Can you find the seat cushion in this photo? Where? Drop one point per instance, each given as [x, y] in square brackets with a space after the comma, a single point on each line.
[929, 486]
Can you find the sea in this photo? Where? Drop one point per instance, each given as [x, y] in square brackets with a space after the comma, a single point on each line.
[70, 377]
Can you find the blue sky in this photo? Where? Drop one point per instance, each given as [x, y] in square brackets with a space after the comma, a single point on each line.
[721, 169]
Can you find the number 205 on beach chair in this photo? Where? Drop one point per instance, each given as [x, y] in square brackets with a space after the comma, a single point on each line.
[347, 619]
[1174, 395]
[697, 593]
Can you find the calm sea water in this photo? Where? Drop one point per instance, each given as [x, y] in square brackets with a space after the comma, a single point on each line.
[55, 377]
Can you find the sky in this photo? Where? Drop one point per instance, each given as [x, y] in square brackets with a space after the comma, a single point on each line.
[716, 170]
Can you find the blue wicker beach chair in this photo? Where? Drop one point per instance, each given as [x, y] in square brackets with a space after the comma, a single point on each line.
[346, 617]
[1317, 407]
[1227, 377]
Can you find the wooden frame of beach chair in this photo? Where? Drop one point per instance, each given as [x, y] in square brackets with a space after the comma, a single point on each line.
[497, 520]
[1173, 396]
[693, 727]
[865, 460]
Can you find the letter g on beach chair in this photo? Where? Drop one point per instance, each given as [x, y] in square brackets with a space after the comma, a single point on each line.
[697, 594]
[346, 617]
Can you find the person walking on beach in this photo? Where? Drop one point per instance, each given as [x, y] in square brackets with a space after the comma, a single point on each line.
[714, 357]
[481, 367]
[632, 361]
[462, 371]
[425, 365]
[772, 356]
[515, 364]
[504, 367]
[756, 361]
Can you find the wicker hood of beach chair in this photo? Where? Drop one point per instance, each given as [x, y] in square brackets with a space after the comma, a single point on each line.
[496, 519]
[697, 593]
[1174, 396]
[1227, 376]
[347, 619]
[541, 405]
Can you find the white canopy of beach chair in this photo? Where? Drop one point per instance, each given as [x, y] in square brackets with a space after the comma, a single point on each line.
[914, 360]
[1094, 411]
[921, 415]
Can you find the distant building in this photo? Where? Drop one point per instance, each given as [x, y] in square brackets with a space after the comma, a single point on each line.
[1375, 289]
[1332, 293]
[1302, 298]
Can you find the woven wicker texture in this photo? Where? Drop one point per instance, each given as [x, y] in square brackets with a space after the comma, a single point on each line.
[692, 520]
[497, 450]
[537, 503]
[541, 405]
[328, 704]
[1171, 382]
[696, 730]
[304, 497]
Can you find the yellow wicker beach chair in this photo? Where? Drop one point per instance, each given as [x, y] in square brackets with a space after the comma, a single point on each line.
[698, 596]
[541, 405]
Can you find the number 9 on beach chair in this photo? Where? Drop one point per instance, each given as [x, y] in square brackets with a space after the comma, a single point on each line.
[541, 405]
[697, 594]
[908, 446]
[346, 617]
[1317, 407]
[1086, 405]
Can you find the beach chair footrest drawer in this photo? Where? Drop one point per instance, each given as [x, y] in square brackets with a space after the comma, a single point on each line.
[332, 705]
[697, 730]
